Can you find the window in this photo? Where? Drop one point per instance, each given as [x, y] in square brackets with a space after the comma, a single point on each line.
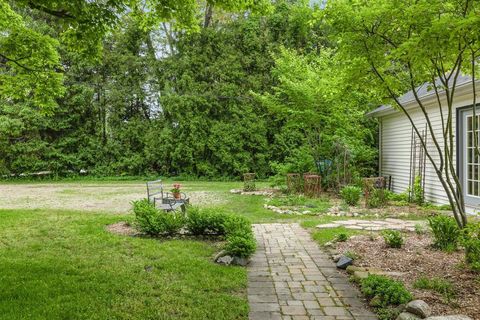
[472, 158]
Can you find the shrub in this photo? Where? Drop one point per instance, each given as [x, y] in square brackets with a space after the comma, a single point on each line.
[438, 285]
[445, 232]
[145, 216]
[197, 222]
[388, 313]
[392, 196]
[376, 199]
[237, 225]
[351, 195]
[205, 221]
[240, 239]
[418, 194]
[384, 291]
[240, 245]
[170, 222]
[393, 238]
[156, 222]
[471, 242]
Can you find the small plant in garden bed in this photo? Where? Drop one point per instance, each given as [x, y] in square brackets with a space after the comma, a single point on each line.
[383, 291]
[393, 238]
[351, 195]
[441, 286]
[445, 232]
[471, 242]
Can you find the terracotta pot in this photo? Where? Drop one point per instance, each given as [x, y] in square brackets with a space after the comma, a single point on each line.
[177, 195]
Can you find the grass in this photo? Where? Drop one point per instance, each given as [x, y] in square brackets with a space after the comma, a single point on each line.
[61, 264]
[64, 265]
[326, 235]
[441, 286]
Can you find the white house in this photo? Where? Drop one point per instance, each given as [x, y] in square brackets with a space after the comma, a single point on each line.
[401, 159]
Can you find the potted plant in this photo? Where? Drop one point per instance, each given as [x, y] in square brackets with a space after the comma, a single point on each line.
[176, 191]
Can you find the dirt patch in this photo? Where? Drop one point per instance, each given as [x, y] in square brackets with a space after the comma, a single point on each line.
[418, 259]
[104, 197]
[122, 228]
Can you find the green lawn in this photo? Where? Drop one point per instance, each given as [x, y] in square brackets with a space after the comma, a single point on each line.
[64, 265]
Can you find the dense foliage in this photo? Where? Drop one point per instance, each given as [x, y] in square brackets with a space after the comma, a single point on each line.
[445, 232]
[237, 230]
[205, 95]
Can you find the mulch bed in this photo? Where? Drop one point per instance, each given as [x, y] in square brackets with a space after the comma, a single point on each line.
[418, 259]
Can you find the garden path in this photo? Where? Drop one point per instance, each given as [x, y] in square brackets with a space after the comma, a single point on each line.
[290, 277]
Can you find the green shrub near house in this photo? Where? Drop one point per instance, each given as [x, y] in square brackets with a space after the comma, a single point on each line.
[446, 232]
[471, 242]
[351, 195]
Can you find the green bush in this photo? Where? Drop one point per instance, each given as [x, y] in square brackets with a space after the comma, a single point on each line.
[240, 245]
[351, 195]
[399, 197]
[393, 238]
[237, 225]
[383, 291]
[418, 194]
[170, 222]
[445, 231]
[376, 199]
[205, 221]
[240, 239]
[156, 222]
[471, 242]
[388, 313]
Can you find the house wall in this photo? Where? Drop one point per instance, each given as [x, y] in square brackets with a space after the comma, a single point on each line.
[395, 144]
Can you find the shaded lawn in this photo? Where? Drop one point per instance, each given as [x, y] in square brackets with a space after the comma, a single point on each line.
[64, 265]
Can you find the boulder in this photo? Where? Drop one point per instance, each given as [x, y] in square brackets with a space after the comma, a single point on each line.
[344, 262]
[407, 316]
[451, 317]
[219, 255]
[419, 308]
[240, 261]
[226, 260]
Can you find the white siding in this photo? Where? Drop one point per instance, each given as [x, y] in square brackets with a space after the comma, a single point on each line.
[395, 133]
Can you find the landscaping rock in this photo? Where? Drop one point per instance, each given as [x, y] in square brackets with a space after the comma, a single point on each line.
[240, 261]
[407, 316]
[219, 255]
[419, 308]
[226, 260]
[344, 262]
[452, 317]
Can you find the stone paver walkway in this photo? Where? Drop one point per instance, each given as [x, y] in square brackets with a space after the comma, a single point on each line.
[290, 277]
[374, 225]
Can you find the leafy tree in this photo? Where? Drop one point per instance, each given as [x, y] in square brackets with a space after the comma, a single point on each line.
[404, 44]
[312, 97]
